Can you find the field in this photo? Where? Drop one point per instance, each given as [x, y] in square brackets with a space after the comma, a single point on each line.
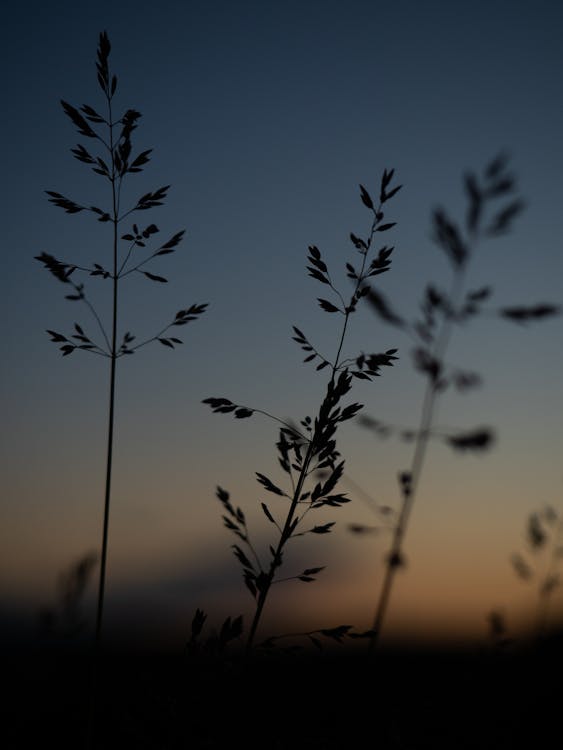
[401, 698]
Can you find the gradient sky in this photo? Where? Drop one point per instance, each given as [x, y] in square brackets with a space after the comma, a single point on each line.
[264, 118]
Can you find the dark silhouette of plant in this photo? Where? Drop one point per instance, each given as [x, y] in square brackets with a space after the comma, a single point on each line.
[477, 439]
[542, 560]
[113, 138]
[216, 643]
[440, 312]
[65, 619]
[303, 451]
[498, 630]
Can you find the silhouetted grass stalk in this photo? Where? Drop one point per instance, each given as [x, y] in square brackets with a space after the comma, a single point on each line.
[410, 485]
[432, 342]
[544, 537]
[320, 448]
[116, 148]
[552, 578]
[111, 412]
[320, 426]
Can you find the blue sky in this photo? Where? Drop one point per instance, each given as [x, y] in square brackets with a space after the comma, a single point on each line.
[264, 119]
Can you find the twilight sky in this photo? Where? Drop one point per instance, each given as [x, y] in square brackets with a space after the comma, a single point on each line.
[264, 118]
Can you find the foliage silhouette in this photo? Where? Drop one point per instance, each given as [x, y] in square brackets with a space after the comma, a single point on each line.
[65, 620]
[310, 448]
[113, 137]
[431, 333]
[541, 563]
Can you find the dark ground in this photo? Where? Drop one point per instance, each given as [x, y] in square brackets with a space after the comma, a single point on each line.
[406, 698]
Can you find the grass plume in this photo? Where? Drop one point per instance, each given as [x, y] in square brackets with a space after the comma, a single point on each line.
[132, 250]
[311, 447]
[492, 206]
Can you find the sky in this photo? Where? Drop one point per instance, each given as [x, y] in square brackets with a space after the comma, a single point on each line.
[265, 118]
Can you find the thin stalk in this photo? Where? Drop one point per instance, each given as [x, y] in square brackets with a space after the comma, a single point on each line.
[494, 184]
[305, 468]
[107, 496]
[113, 356]
[284, 536]
[394, 559]
[94, 694]
[118, 144]
[98, 321]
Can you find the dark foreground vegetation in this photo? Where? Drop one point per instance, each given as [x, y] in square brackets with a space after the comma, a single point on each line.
[404, 697]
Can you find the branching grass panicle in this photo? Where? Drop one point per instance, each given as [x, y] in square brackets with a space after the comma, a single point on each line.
[305, 450]
[132, 249]
[441, 311]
